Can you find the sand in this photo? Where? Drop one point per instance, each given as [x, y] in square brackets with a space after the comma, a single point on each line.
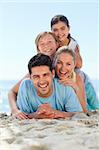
[79, 133]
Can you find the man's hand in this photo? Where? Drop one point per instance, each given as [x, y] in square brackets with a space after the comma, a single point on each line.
[16, 113]
[45, 111]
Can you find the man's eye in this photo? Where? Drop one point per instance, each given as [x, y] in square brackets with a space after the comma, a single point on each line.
[46, 74]
[35, 77]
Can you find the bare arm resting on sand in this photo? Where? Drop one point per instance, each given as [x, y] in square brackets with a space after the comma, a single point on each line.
[12, 96]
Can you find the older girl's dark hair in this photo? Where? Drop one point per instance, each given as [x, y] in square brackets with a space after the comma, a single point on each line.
[39, 60]
[58, 18]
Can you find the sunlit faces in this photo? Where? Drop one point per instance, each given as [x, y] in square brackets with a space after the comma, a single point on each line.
[47, 45]
[65, 65]
[42, 78]
[61, 30]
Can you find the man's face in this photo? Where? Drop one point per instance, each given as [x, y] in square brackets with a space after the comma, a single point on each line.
[42, 78]
[47, 45]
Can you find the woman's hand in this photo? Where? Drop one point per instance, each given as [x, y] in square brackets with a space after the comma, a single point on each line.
[69, 82]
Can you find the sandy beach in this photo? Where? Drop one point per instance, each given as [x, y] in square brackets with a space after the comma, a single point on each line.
[79, 133]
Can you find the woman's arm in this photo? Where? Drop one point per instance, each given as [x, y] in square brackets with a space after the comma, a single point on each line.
[81, 93]
[78, 57]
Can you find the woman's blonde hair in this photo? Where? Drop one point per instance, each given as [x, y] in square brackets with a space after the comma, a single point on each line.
[63, 49]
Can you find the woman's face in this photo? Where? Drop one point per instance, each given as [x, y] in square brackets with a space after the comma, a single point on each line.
[65, 65]
[61, 30]
[47, 45]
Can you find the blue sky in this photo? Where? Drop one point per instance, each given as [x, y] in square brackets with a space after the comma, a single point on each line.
[20, 22]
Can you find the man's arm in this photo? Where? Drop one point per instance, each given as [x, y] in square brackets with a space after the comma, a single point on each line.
[12, 100]
[16, 113]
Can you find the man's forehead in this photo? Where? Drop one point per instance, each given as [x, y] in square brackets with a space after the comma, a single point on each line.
[40, 69]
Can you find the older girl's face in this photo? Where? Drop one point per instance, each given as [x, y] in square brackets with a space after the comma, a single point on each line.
[61, 30]
[65, 65]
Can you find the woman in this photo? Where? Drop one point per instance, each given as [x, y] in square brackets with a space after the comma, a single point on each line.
[64, 64]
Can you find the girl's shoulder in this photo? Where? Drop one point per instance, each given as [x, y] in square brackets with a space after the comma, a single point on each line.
[73, 40]
[72, 44]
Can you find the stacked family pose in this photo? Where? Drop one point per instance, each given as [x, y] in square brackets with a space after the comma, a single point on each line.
[67, 66]
[43, 96]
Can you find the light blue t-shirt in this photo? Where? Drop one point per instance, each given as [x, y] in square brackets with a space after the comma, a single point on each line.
[63, 98]
[91, 95]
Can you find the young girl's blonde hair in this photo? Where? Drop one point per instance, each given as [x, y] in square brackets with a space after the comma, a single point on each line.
[42, 34]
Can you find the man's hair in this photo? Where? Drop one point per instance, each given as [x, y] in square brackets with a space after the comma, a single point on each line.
[39, 60]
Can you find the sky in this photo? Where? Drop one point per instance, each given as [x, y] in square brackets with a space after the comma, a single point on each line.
[21, 21]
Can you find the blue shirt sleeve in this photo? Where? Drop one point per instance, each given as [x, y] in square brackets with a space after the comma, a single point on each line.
[71, 102]
[92, 98]
[23, 98]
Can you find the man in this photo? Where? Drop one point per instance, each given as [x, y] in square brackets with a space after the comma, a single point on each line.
[43, 96]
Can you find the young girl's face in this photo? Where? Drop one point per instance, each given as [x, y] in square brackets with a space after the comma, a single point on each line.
[61, 30]
[65, 65]
[47, 45]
